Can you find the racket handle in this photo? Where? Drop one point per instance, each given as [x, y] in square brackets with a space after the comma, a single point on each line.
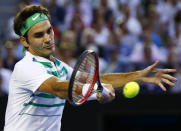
[105, 91]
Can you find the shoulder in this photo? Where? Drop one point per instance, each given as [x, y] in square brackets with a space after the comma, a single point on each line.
[27, 63]
[27, 67]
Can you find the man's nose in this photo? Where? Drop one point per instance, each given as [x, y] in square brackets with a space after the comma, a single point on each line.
[47, 38]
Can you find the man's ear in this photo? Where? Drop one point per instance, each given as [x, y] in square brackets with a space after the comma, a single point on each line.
[24, 41]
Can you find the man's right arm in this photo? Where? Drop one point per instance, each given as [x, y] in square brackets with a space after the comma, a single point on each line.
[59, 88]
[55, 86]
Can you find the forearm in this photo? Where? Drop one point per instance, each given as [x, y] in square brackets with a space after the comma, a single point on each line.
[117, 80]
[56, 87]
[61, 89]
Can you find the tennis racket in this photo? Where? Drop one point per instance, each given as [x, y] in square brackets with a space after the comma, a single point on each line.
[85, 75]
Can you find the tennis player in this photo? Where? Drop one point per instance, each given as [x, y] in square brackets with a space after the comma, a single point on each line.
[39, 83]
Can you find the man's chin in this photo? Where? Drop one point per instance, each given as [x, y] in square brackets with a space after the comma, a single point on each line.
[49, 53]
[50, 50]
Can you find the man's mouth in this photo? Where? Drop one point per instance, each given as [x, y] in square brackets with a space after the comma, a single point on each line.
[49, 46]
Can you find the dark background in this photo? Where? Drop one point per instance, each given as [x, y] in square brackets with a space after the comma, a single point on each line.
[143, 113]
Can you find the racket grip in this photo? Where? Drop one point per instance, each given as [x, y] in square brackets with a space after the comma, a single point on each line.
[105, 92]
[93, 96]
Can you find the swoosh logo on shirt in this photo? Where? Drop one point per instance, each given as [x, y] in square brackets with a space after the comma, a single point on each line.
[34, 18]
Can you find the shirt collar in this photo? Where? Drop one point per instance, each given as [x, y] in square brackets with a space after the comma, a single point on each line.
[28, 54]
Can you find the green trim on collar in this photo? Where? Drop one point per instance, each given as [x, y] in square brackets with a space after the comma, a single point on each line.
[45, 64]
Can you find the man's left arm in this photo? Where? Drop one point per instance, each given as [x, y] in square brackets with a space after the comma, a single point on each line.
[149, 75]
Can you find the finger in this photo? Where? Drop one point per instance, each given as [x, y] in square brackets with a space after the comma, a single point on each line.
[168, 82]
[153, 65]
[169, 77]
[110, 88]
[165, 70]
[104, 99]
[99, 96]
[162, 87]
[112, 94]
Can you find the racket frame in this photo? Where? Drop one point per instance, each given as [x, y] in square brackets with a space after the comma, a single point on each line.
[93, 81]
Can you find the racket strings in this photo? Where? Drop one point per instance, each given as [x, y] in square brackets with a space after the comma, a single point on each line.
[84, 75]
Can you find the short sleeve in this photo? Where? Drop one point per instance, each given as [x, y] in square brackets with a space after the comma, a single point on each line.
[31, 76]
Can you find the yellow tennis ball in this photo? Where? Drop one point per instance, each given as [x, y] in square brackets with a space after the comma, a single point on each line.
[131, 89]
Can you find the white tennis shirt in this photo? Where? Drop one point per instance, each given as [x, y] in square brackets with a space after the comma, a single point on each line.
[29, 109]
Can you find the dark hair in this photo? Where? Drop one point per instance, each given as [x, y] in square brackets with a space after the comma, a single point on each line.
[27, 11]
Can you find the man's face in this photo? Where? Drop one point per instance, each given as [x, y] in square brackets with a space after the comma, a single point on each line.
[41, 39]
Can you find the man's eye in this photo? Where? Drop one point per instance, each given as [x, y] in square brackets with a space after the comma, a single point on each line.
[49, 31]
[38, 35]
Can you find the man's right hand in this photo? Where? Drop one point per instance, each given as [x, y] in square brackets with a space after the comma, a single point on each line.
[106, 98]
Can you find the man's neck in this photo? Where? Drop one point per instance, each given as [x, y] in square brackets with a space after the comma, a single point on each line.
[50, 57]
